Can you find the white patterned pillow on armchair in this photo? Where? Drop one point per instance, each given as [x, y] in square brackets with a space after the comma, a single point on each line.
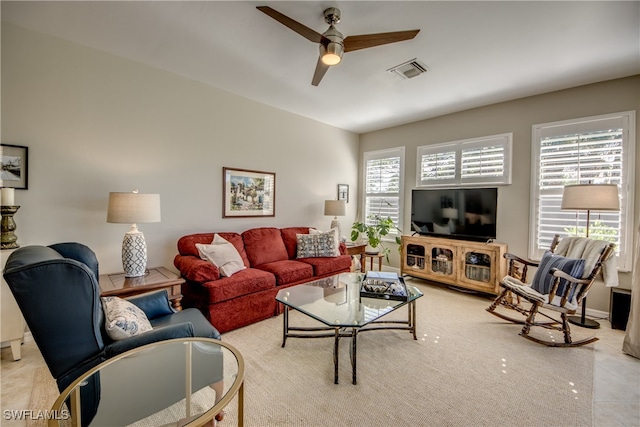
[123, 319]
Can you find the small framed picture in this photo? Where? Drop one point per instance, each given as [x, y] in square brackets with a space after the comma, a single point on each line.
[248, 193]
[13, 166]
[343, 192]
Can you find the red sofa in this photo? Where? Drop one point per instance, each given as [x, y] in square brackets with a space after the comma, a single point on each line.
[248, 296]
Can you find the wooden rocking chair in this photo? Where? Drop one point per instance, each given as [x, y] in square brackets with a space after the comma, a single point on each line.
[567, 280]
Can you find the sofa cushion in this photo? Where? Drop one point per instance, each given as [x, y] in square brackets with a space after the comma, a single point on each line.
[223, 255]
[331, 265]
[264, 245]
[291, 241]
[288, 271]
[318, 244]
[187, 244]
[244, 282]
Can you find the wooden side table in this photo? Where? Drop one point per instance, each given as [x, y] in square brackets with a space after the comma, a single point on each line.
[371, 257]
[354, 250]
[157, 278]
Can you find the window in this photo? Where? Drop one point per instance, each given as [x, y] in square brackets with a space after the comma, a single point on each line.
[598, 150]
[477, 161]
[383, 171]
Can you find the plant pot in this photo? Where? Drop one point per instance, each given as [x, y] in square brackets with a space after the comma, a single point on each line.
[371, 251]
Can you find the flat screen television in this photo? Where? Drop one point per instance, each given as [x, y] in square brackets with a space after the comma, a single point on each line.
[457, 213]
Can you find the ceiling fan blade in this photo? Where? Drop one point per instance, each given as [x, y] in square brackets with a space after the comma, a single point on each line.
[364, 41]
[321, 69]
[304, 31]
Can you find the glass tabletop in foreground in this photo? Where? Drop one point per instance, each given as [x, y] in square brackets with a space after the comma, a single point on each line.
[336, 301]
[174, 381]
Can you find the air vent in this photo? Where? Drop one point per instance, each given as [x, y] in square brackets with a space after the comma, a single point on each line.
[408, 70]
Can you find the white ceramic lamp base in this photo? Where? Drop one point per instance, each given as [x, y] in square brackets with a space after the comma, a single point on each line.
[134, 253]
[336, 224]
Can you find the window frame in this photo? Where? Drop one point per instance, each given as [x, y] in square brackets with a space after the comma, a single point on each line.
[627, 177]
[383, 154]
[504, 139]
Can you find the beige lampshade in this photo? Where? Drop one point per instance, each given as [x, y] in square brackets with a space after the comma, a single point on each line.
[595, 197]
[133, 208]
[335, 207]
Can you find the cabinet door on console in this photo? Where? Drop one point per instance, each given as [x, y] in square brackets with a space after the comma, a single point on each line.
[441, 262]
[478, 268]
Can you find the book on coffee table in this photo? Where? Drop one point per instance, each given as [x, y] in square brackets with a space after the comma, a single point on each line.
[383, 285]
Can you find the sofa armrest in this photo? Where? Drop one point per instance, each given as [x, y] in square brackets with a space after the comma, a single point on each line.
[195, 269]
[343, 248]
[180, 330]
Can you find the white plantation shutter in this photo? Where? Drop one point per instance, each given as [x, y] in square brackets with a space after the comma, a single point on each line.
[477, 161]
[383, 184]
[598, 150]
[483, 161]
[437, 164]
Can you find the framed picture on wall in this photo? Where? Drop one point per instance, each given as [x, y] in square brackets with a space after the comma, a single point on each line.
[13, 166]
[343, 192]
[248, 193]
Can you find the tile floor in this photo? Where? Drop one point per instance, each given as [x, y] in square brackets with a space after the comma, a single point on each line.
[616, 381]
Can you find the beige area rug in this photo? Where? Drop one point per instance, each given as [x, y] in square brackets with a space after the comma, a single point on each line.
[467, 368]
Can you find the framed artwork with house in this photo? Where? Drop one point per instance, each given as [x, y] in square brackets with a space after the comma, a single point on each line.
[248, 193]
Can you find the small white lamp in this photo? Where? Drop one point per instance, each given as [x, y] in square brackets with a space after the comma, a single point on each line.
[336, 208]
[133, 208]
[589, 197]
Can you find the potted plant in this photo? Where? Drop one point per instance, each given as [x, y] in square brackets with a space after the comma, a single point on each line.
[377, 228]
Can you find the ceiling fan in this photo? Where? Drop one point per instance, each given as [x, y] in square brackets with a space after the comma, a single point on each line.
[332, 43]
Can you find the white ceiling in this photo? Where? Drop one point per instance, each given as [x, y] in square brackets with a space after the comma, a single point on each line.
[477, 52]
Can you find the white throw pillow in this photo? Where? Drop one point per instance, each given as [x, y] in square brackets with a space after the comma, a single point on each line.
[222, 254]
[123, 319]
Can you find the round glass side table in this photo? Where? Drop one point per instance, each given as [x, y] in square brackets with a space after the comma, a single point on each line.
[184, 381]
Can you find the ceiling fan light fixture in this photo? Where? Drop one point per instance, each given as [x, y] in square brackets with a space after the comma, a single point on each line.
[331, 53]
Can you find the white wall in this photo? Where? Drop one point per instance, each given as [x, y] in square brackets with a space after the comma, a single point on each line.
[96, 123]
[515, 116]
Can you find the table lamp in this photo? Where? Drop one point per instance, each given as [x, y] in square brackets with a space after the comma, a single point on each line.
[589, 197]
[336, 208]
[133, 208]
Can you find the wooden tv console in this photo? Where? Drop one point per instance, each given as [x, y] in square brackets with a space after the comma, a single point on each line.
[477, 266]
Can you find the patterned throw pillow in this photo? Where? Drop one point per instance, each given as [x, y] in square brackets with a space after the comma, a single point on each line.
[336, 238]
[222, 254]
[543, 280]
[318, 245]
[123, 319]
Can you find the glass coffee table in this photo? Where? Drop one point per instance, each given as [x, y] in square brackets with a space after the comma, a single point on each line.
[336, 302]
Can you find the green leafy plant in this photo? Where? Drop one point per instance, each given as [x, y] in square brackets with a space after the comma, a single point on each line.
[375, 230]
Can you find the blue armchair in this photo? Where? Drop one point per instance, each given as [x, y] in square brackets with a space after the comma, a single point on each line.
[56, 288]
